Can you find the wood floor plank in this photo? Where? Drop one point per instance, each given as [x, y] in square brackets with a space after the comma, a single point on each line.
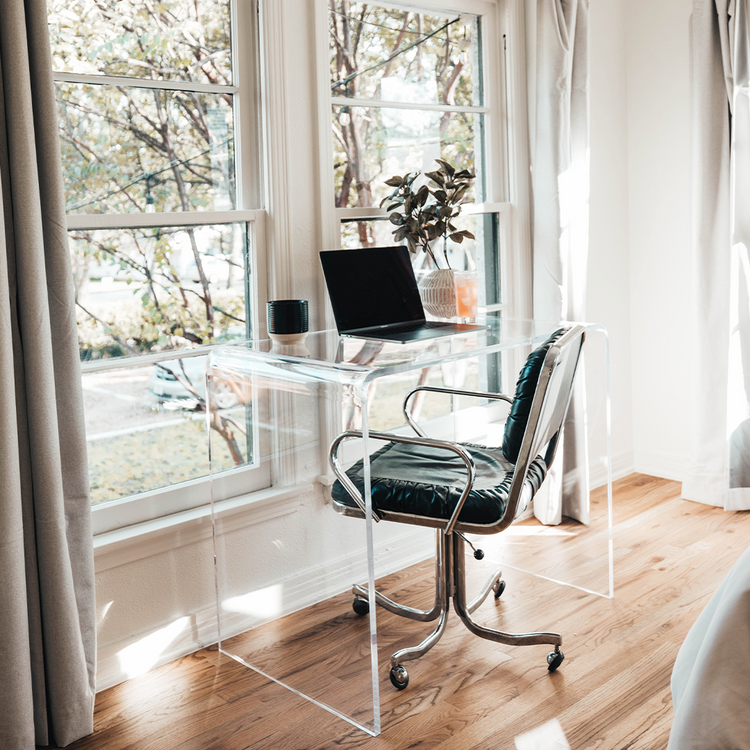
[612, 691]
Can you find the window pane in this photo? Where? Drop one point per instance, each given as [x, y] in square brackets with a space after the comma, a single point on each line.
[403, 56]
[180, 40]
[372, 145]
[152, 290]
[481, 253]
[146, 428]
[127, 149]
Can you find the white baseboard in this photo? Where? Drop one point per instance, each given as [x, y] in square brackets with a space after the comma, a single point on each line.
[664, 464]
[136, 655]
[623, 463]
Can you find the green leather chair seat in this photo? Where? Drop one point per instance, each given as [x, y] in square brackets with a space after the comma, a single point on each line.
[427, 481]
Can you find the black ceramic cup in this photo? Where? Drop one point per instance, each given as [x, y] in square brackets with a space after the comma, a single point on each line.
[287, 317]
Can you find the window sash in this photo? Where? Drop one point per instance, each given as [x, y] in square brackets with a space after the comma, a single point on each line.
[153, 504]
[143, 83]
[165, 219]
[345, 101]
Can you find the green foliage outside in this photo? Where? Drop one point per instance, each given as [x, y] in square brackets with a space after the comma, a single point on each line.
[399, 56]
[128, 148]
[160, 305]
[118, 330]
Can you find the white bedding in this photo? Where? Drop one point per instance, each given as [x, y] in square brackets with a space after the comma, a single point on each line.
[711, 676]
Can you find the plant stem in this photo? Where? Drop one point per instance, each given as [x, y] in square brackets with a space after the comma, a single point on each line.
[426, 247]
[445, 251]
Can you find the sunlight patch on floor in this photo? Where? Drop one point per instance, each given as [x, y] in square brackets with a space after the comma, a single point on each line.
[549, 736]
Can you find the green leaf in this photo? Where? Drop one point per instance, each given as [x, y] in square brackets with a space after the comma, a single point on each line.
[441, 196]
[395, 181]
[422, 195]
[449, 168]
[392, 206]
[457, 237]
[397, 219]
[460, 192]
[466, 233]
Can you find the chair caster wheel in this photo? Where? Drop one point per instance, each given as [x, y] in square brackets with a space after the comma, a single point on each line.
[361, 606]
[399, 677]
[498, 588]
[555, 659]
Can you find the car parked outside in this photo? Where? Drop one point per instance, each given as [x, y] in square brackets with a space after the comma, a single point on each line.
[168, 383]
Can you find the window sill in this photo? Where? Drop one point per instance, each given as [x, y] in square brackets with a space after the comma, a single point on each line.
[136, 542]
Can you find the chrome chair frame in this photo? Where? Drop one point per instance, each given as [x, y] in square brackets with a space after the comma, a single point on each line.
[450, 541]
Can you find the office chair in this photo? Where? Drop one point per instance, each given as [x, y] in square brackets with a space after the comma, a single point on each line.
[460, 488]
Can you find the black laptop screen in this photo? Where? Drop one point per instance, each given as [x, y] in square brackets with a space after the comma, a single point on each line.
[373, 286]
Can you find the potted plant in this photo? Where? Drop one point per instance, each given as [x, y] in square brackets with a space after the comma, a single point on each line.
[425, 216]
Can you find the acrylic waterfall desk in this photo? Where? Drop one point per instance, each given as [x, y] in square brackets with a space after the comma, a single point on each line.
[284, 577]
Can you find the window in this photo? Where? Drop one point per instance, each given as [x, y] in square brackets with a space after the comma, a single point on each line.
[408, 85]
[159, 138]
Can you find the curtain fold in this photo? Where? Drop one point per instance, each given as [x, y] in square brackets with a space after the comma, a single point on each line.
[47, 609]
[557, 41]
[718, 467]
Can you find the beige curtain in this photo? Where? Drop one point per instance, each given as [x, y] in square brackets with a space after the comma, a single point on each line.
[557, 44]
[47, 620]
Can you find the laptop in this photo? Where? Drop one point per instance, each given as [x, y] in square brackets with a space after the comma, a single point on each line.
[374, 295]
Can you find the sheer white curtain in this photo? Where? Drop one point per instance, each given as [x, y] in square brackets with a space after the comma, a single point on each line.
[557, 50]
[718, 470]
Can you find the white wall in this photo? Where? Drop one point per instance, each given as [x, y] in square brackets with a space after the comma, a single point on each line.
[640, 222]
[658, 68]
[609, 259]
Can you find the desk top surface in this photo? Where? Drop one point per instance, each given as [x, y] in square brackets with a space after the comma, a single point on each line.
[326, 355]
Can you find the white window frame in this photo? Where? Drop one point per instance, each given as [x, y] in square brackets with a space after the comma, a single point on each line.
[251, 192]
[506, 141]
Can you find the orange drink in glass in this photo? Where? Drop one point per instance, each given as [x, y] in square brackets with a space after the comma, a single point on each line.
[467, 289]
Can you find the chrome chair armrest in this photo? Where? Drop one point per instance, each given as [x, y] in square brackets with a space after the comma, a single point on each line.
[350, 487]
[453, 391]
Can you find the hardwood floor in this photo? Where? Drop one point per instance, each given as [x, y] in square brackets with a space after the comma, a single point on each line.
[612, 692]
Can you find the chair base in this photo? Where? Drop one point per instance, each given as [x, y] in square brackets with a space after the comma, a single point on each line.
[450, 584]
